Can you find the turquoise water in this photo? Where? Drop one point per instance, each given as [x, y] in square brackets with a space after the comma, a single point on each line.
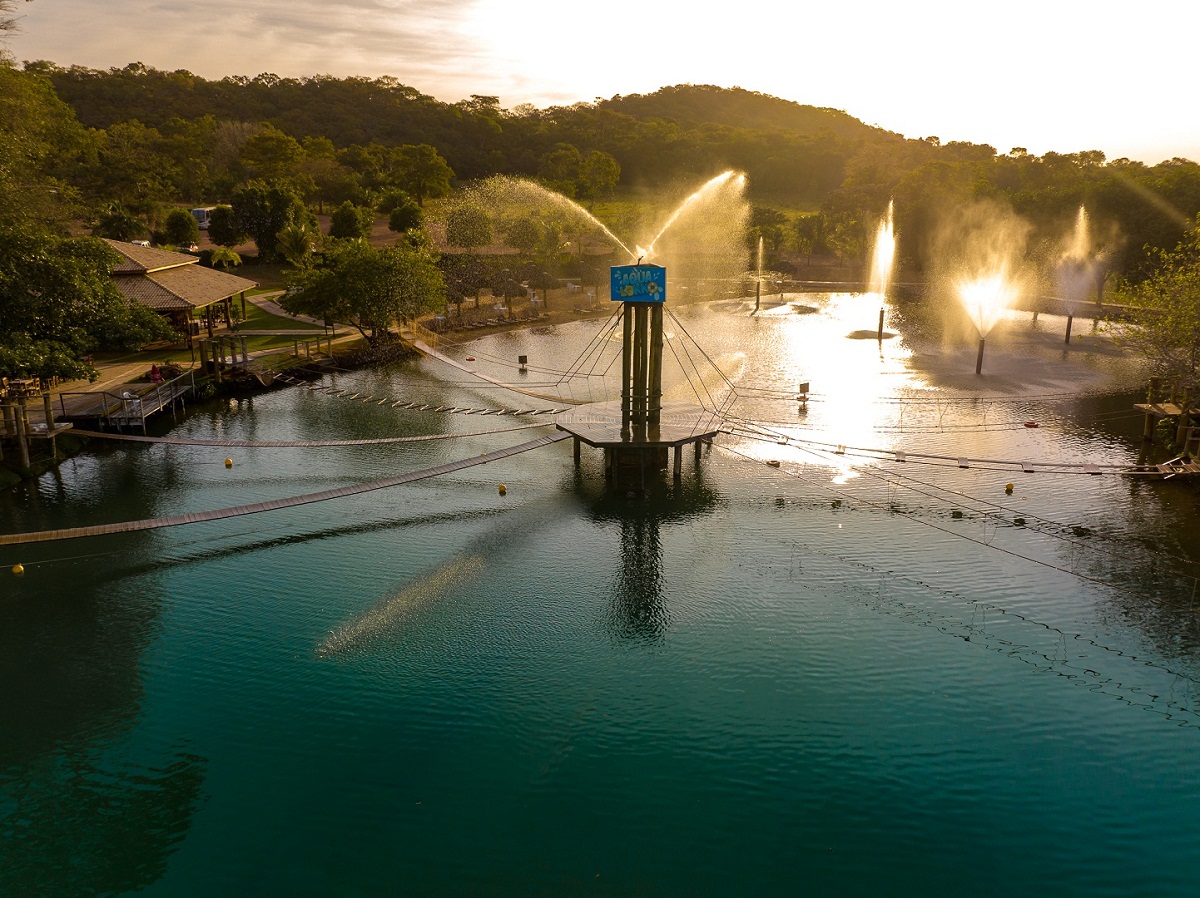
[811, 679]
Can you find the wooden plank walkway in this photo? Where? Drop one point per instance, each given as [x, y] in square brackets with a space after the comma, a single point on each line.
[13, 539]
[297, 444]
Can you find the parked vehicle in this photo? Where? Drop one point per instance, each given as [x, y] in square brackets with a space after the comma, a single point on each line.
[202, 215]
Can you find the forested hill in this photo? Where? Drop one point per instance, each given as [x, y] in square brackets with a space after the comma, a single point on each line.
[700, 104]
[819, 178]
[683, 129]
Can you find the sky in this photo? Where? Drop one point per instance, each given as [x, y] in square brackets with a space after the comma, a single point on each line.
[1054, 75]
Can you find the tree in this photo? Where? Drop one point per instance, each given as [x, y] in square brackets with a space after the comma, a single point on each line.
[405, 218]
[1166, 328]
[466, 274]
[224, 228]
[368, 288]
[507, 287]
[560, 168]
[350, 221]
[468, 226]
[297, 242]
[271, 155]
[224, 258]
[525, 234]
[423, 172]
[598, 176]
[263, 209]
[181, 228]
[41, 147]
[61, 304]
[118, 223]
[8, 22]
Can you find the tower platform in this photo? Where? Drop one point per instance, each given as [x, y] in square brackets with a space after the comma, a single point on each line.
[631, 449]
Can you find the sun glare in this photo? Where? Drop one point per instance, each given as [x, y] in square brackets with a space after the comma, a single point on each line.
[987, 298]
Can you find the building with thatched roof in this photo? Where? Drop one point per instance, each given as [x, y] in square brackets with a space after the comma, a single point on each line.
[176, 285]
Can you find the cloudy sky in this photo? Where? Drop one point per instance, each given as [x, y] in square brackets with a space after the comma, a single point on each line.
[1049, 75]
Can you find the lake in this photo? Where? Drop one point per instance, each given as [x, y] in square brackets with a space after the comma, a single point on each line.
[845, 675]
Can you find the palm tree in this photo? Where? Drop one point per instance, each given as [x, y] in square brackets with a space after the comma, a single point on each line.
[297, 242]
[224, 258]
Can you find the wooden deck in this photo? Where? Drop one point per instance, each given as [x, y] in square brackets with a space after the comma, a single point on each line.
[129, 408]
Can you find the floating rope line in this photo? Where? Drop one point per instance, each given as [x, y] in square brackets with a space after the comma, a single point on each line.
[295, 444]
[749, 430]
[971, 539]
[13, 539]
[410, 405]
[986, 509]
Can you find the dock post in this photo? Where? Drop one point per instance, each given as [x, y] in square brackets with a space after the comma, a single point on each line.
[48, 405]
[1070, 321]
[654, 412]
[245, 351]
[1184, 421]
[678, 461]
[577, 441]
[10, 426]
[1192, 447]
[627, 365]
[22, 432]
[1148, 428]
[881, 325]
[697, 445]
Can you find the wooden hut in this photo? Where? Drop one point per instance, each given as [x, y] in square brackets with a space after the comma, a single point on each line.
[176, 286]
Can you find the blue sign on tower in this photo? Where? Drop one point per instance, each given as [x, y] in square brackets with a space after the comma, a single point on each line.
[638, 283]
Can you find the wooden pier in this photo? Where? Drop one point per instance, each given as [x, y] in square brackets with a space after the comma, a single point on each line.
[23, 423]
[129, 408]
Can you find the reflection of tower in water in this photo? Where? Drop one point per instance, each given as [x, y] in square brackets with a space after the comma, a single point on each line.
[638, 608]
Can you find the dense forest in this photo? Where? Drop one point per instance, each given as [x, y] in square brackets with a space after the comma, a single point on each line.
[819, 178]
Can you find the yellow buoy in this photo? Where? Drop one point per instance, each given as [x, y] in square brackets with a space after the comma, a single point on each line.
[1008, 487]
[503, 490]
[229, 462]
[18, 568]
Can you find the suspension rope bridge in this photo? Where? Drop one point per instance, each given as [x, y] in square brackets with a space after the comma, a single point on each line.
[218, 514]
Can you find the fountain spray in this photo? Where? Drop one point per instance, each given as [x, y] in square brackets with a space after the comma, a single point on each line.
[882, 261]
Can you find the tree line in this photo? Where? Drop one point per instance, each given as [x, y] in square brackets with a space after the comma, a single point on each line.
[126, 150]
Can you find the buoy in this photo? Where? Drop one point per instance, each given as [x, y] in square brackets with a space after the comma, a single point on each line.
[18, 568]
[503, 489]
[229, 462]
[470, 358]
[1008, 487]
[1031, 423]
[773, 463]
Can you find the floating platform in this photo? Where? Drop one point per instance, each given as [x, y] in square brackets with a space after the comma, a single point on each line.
[629, 449]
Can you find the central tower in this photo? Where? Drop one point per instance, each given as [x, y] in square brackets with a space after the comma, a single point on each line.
[637, 432]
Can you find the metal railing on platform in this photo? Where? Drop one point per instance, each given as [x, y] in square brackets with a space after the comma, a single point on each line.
[132, 406]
